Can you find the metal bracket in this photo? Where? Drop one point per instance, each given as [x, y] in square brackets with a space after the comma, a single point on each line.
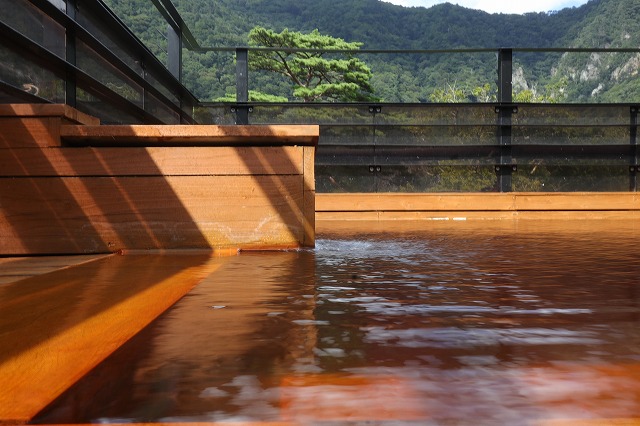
[241, 108]
[375, 169]
[375, 109]
[499, 168]
[512, 108]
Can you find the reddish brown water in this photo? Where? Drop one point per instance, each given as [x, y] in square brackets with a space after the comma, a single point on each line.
[442, 325]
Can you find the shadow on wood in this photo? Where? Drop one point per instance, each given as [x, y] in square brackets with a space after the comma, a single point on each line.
[71, 186]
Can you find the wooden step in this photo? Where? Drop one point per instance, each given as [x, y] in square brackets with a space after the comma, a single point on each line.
[18, 268]
[55, 327]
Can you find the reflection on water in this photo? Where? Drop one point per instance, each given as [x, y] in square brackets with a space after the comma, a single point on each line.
[432, 326]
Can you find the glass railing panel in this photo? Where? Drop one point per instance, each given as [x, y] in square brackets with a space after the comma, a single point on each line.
[159, 110]
[563, 155]
[344, 178]
[437, 114]
[221, 114]
[394, 155]
[571, 115]
[571, 135]
[99, 29]
[162, 89]
[368, 168]
[322, 114]
[18, 71]
[150, 27]
[570, 178]
[94, 65]
[343, 159]
[435, 135]
[106, 112]
[345, 136]
[436, 178]
[34, 24]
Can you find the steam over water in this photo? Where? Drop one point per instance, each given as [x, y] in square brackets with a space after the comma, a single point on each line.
[423, 325]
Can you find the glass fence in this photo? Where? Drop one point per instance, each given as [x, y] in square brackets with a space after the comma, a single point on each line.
[461, 147]
[64, 51]
[79, 53]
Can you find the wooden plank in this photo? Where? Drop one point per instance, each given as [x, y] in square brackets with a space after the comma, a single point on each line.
[64, 112]
[412, 202]
[29, 132]
[57, 327]
[97, 215]
[17, 268]
[469, 202]
[470, 216]
[576, 201]
[485, 226]
[326, 216]
[192, 134]
[152, 161]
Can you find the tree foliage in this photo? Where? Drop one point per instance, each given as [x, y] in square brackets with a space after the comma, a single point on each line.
[316, 75]
[411, 77]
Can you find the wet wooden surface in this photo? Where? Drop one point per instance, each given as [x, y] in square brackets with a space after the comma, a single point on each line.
[18, 268]
[56, 326]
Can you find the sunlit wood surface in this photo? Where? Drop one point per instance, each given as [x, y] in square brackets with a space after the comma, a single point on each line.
[477, 206]
[57, 326]
[71, 186]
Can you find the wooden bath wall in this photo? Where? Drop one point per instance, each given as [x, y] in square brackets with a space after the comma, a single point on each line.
[70, 185]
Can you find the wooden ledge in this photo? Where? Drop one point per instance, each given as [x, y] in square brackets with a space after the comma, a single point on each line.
[478, 202]
[209, 135]
[47, 110]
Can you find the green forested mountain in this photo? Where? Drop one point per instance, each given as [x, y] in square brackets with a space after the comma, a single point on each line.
[596, 77]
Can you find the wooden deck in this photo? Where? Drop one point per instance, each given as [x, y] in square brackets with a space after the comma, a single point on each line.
[72, 312]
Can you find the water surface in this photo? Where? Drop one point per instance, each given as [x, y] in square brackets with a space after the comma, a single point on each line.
[421, 324]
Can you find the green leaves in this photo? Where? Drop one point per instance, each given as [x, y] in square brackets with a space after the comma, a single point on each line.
[315, 75]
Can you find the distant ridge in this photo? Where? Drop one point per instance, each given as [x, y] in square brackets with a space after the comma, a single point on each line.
[381, 25]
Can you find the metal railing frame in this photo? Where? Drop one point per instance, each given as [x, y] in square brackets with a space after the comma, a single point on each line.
[179, 36]
[66, 69]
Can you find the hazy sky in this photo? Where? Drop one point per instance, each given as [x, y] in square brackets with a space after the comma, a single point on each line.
[498, 6]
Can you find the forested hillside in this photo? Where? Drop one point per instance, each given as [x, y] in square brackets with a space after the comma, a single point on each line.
[414, 77]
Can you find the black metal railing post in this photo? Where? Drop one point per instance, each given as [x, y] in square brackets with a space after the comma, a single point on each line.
[505, 110]
[242, 85]
[174, 58]
[174, 51]
[634, 168]
[375, 168]
[71, 92]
